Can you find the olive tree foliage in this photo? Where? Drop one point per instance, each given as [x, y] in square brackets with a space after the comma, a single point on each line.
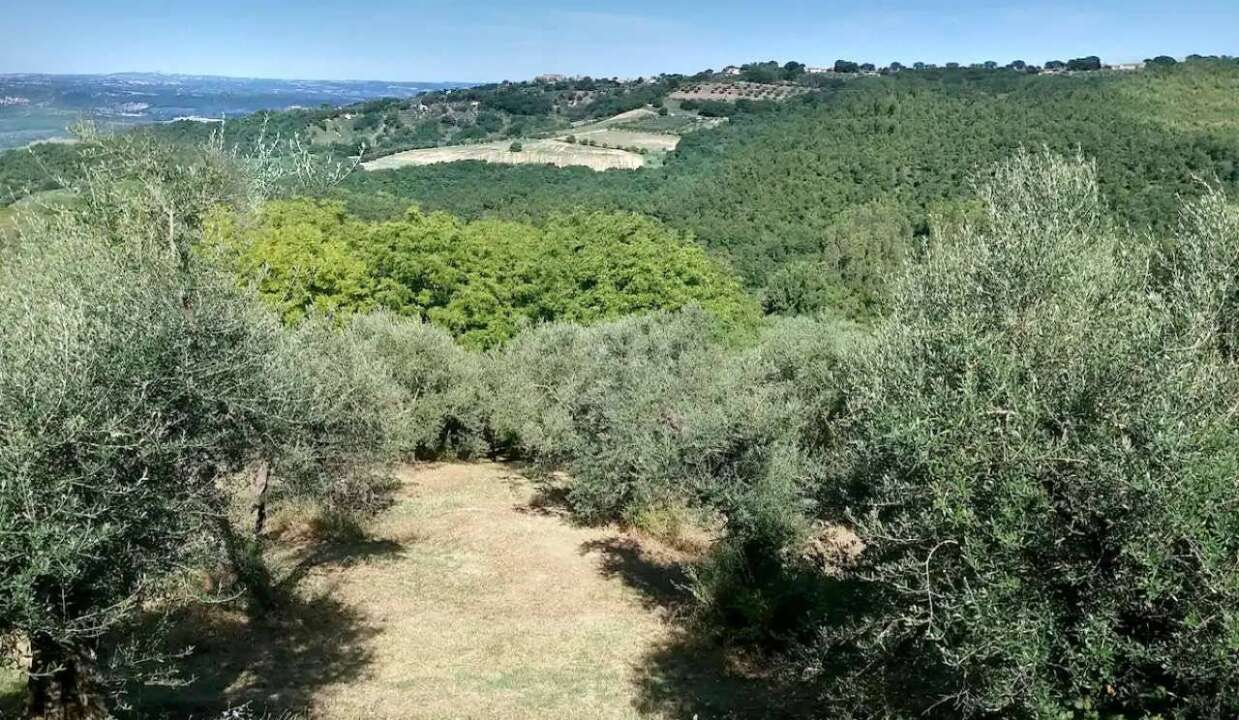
[119, 412]
[641, 412]
[1039, 450]
[342, 415]
[658, 419]
[372, 389]
[443, 385]
[135, 380]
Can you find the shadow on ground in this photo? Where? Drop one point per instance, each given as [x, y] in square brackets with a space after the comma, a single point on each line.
[12, 691]
[688, 674]
[275, 661]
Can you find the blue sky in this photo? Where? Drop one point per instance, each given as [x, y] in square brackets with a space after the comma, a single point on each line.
[441, 40]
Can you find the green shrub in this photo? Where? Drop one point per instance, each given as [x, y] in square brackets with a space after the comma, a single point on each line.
[345, 418]
[443, 385]
[120, 408]
[1039, 451]
[762, 584]
[136, 381]
[640, 412]
[661, 409]
[656, 415]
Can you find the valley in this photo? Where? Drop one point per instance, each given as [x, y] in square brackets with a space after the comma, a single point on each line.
[777, 391]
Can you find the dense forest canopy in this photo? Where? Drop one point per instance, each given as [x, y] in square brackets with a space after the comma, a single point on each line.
[483, 280]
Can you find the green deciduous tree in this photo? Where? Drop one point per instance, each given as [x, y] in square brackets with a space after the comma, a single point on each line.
[483, 280]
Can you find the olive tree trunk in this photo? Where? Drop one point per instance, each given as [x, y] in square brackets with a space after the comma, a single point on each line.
[63, 683]
[262, 480]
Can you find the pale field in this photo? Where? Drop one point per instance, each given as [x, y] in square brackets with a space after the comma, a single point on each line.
[473, 596]
[620, 119]
[534, 152]
[653, 142]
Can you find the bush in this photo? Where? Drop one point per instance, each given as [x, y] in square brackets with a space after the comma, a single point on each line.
[516, 147]
[136, 380]
[346, 417]
[639, 411]
[120, 408]
[656, 410]
[442, 383]
[655, 417]
[1039, 453]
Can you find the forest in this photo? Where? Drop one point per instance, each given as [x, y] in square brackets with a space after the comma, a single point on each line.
[922, 383]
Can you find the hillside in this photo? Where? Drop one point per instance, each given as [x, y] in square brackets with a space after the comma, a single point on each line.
[813, 186]
[789, 183]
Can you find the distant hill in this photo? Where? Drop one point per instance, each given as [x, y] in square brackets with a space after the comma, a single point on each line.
[832, 187]
[37, 107]
[813, 184]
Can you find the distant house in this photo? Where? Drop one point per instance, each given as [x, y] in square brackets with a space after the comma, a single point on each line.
[1128, 67]
[819, 70]
[551, 78]
[731, 70]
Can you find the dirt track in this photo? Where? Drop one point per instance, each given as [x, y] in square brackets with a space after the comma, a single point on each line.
[470, 598]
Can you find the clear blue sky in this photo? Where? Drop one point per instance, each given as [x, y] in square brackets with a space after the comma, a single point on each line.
[510, 39]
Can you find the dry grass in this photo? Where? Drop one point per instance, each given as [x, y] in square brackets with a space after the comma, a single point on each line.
[654, 142]
[534, 152]
[472, 597]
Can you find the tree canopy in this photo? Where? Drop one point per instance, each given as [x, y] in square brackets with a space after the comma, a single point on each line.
[481, 280]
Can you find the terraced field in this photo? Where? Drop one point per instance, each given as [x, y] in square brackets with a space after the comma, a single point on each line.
[733, 91]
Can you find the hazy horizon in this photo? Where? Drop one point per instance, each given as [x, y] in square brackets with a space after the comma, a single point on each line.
[217, 76]
[329, 40]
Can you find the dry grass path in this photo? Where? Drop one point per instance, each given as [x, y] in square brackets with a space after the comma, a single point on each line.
[468, 599]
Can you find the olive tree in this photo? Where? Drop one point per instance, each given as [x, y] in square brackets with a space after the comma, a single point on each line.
[119, 412]
[1040, 452]
[135, 379]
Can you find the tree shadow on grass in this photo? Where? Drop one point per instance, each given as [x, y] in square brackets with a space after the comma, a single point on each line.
[12, 690]
[274, 661]
[662, 582]
[547, 501]
[689, 674]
